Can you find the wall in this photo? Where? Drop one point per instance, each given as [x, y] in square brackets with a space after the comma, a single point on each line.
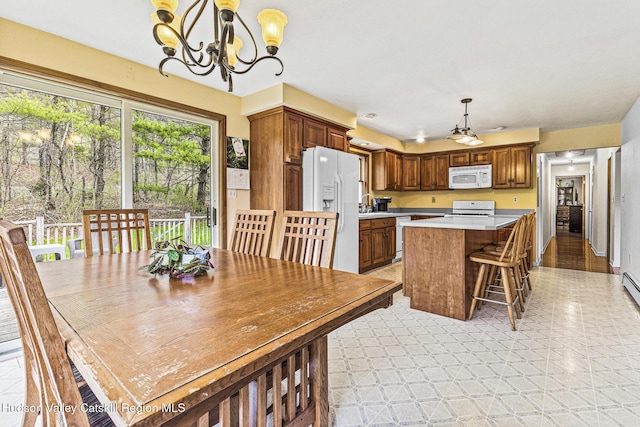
[579, 138]
[614, 256]
[630, 193]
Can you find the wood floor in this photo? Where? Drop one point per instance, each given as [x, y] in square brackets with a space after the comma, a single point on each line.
[572, 251]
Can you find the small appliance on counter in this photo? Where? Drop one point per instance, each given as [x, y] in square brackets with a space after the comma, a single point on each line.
[381, 204]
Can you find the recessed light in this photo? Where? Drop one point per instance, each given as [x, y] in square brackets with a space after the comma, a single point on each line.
[499, 128]
[364, 143]
[420, 139]
[369, 115]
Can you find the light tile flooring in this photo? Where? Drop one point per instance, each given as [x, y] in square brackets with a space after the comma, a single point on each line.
[574, 361]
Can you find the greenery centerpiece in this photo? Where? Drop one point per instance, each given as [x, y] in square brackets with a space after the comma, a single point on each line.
[179, 260]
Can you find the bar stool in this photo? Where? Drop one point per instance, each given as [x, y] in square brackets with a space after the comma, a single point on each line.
[507, 264]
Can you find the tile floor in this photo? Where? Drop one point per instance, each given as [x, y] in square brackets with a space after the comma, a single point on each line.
[574, 361]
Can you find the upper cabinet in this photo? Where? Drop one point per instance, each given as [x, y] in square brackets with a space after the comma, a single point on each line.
[512, 167]
[480, 157]
[337, 139]
[292, 143]
[434, 172]
[315, 134]
[459, 159]
[386, 171]
[410, 172]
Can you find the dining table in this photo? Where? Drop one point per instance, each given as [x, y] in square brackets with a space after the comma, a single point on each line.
[245, 342]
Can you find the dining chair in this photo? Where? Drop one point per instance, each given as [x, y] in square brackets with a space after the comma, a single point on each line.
[252, 232]
[50, 377]
[111, 231]
[506, 262]
[308, 237]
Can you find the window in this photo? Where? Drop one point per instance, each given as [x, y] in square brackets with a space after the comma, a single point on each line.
[66, 150]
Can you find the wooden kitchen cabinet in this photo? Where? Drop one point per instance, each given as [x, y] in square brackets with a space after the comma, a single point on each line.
[364, 245]
[480, 157]
[292, 187]
[459, 159]
[315, 134]
[278, 138]
[434, 172]
[377, 242]
[386, 170]
[410, 172]
[337, 139]
[512, 167]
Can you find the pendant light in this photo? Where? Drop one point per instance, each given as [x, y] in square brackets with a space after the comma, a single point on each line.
[462, 133]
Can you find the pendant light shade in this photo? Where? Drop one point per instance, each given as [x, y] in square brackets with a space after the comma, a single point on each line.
[462, 133]
[273, 22]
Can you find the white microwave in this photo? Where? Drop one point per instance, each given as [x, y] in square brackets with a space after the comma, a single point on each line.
[470, 177]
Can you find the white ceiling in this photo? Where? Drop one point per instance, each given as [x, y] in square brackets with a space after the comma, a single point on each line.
[546, 64]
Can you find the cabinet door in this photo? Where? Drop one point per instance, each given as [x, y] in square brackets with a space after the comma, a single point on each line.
[441, 170]
[337, 139]
[378, 248]
[459, 159]
[427, 173]
[480, 157]
[410, 172]
[390, 243]
[390, 170]
[398, 172]
[292, 139]
[501, 168]
[315, 134]
[365, 249]
[521, 167]
[292, 187]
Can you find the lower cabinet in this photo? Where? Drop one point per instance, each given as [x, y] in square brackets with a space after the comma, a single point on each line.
[377, 242]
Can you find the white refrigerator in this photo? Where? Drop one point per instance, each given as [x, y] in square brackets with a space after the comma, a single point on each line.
[330, 184]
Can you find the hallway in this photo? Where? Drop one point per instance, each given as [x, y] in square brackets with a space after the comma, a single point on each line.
[571, 251]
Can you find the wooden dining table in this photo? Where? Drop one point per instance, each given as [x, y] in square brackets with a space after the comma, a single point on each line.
[163, 351]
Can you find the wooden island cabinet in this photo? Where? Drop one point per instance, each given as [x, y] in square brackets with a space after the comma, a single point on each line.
[278, 138]
[437, 274]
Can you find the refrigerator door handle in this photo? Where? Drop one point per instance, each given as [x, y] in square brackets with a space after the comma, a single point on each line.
[339, 202]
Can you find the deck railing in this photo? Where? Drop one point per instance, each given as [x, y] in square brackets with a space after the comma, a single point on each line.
[192, 229]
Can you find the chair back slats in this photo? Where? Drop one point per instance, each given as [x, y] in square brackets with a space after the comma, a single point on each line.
[308, 237]
[252, 232]
[49, 376]
[514, 243]
[111, 231]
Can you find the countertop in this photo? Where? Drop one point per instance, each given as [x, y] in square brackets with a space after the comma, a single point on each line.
[466, 222]
[375, 215]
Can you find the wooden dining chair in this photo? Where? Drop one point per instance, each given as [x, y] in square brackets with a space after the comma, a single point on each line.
[50, 377]
[252, 232]
[308, 237]
[111, 231]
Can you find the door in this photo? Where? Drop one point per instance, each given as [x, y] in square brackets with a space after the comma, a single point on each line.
[172, 157]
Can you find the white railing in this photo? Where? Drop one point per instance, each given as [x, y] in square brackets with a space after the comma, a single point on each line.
[192, 229]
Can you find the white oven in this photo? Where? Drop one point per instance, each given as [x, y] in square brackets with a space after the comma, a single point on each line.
[470, 177]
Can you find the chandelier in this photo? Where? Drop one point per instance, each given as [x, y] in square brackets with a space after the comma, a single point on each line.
[174, 34]
[462, 133]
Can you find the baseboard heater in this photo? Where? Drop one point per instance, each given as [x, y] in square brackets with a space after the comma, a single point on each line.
[632, 286]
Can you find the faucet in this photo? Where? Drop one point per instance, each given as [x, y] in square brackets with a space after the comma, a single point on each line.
[363, 206]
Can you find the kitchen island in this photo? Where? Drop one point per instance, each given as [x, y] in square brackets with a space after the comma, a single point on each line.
[437, 274]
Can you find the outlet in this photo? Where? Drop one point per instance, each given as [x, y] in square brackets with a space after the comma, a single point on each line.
[232, 194]
[515, 199]
[433, 199]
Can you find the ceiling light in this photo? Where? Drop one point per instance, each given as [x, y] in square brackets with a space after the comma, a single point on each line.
[462, 133]
[364, 144]
[369, 115]
[499, 128]
[571, 165]
[174, 34]
[420, 139]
